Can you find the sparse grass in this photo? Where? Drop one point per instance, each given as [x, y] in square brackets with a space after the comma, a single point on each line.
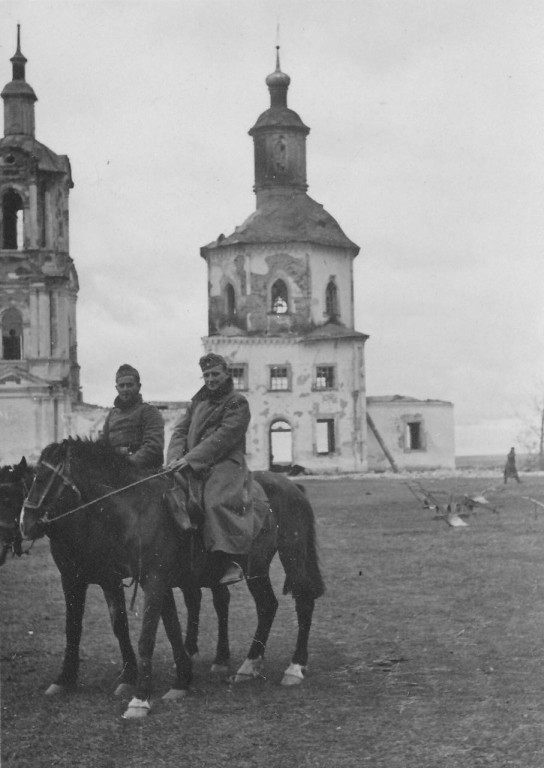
[426, 652]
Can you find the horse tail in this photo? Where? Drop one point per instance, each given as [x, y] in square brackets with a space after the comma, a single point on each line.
[297, 541]
[297, 548]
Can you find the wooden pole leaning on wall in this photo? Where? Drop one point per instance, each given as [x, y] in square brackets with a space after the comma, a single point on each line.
[379, 438]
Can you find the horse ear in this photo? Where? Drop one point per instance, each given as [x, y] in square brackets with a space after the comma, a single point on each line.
[22, 464]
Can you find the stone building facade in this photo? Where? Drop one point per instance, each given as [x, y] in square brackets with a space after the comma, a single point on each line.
[39, 372]
[281, 310]
[410, 434]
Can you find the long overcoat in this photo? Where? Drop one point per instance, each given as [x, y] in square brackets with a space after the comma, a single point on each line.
[140, 428]
[211, 436]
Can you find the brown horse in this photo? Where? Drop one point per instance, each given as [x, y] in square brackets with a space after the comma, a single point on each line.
[129, 534]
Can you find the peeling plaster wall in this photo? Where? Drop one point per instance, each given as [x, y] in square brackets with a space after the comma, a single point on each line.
[437, 428]
[302, 405]
[327, 263]
[252, 269]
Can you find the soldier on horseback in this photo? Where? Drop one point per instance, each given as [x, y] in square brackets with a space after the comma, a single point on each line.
[134, 428]
[207, 453]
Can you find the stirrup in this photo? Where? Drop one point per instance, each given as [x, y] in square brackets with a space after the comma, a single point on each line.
[232, 575]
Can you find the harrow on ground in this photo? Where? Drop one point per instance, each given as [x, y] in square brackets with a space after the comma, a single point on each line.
[450, 507]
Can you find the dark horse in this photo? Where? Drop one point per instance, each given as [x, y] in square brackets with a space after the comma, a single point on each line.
[15, 482]
[130, 534]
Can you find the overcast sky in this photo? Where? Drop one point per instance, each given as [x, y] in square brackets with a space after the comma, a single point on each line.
[426, 144]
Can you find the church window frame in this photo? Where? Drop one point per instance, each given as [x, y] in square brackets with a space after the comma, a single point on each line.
[325, 436]
[331, 300]
[239, 376]
[414, 435]
[231, 309]
[279, 378]
[12, 334]
[13, 220]
[279, 297]
[325, 377]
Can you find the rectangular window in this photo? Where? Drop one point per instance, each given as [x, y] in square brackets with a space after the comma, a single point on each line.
[239, 376]
[413, 436]
[325, 442]
[324, 377]
[279, 378]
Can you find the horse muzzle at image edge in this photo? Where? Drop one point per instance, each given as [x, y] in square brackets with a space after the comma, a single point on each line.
[35, 513]
[32, 524]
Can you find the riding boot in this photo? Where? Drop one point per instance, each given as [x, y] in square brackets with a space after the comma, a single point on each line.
[227, 569]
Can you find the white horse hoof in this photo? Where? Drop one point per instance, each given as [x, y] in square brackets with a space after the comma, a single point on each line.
[219, 669]
[174, 694]
[251, 669]
[124, 689]
[137, 709]
[56, 690]
[293, 675]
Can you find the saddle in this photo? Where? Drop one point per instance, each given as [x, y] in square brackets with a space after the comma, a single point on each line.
[183, 502]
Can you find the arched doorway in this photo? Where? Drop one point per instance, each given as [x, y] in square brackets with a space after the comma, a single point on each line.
[281, 446]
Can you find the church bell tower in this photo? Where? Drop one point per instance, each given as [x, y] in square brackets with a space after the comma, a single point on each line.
[281, 309]
[39, 372]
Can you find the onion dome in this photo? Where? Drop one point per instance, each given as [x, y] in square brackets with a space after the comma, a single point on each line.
[19, 97]
[278, 83]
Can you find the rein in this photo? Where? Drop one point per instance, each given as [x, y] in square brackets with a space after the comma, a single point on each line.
[57, 472]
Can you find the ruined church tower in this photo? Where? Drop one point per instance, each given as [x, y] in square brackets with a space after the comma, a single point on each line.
[281, 309]
[39, 372]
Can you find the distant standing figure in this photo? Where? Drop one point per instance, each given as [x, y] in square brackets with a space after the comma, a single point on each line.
[510, 466]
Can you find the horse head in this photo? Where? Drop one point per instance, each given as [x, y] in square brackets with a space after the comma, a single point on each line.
[53, 490]
[15, 481]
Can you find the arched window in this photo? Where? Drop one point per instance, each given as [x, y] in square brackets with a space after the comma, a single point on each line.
[281, 446]
[331, 300]
[12, 335]
[230, 301]
[279, 298]
[12, 215]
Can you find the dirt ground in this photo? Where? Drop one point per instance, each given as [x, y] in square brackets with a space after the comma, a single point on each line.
[426, 651]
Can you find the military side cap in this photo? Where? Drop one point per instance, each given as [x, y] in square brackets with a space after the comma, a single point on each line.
[127, 370]
[211, 360]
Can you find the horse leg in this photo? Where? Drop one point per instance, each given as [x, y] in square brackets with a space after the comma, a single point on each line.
[154, 594]
[115, 598]
[182, 659]
[193, 597]
[267, 605]
[74, 597]
[221, 602]
[294, 674]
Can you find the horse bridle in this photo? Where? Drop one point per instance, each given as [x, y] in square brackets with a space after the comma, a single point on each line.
[59, 472]
[13, 528]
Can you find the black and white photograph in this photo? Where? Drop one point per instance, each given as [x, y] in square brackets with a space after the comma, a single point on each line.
[272, 383]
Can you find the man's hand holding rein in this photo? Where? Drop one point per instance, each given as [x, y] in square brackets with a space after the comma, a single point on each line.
[177, 465]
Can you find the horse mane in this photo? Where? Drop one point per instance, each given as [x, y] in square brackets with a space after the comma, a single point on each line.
[99, 455]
